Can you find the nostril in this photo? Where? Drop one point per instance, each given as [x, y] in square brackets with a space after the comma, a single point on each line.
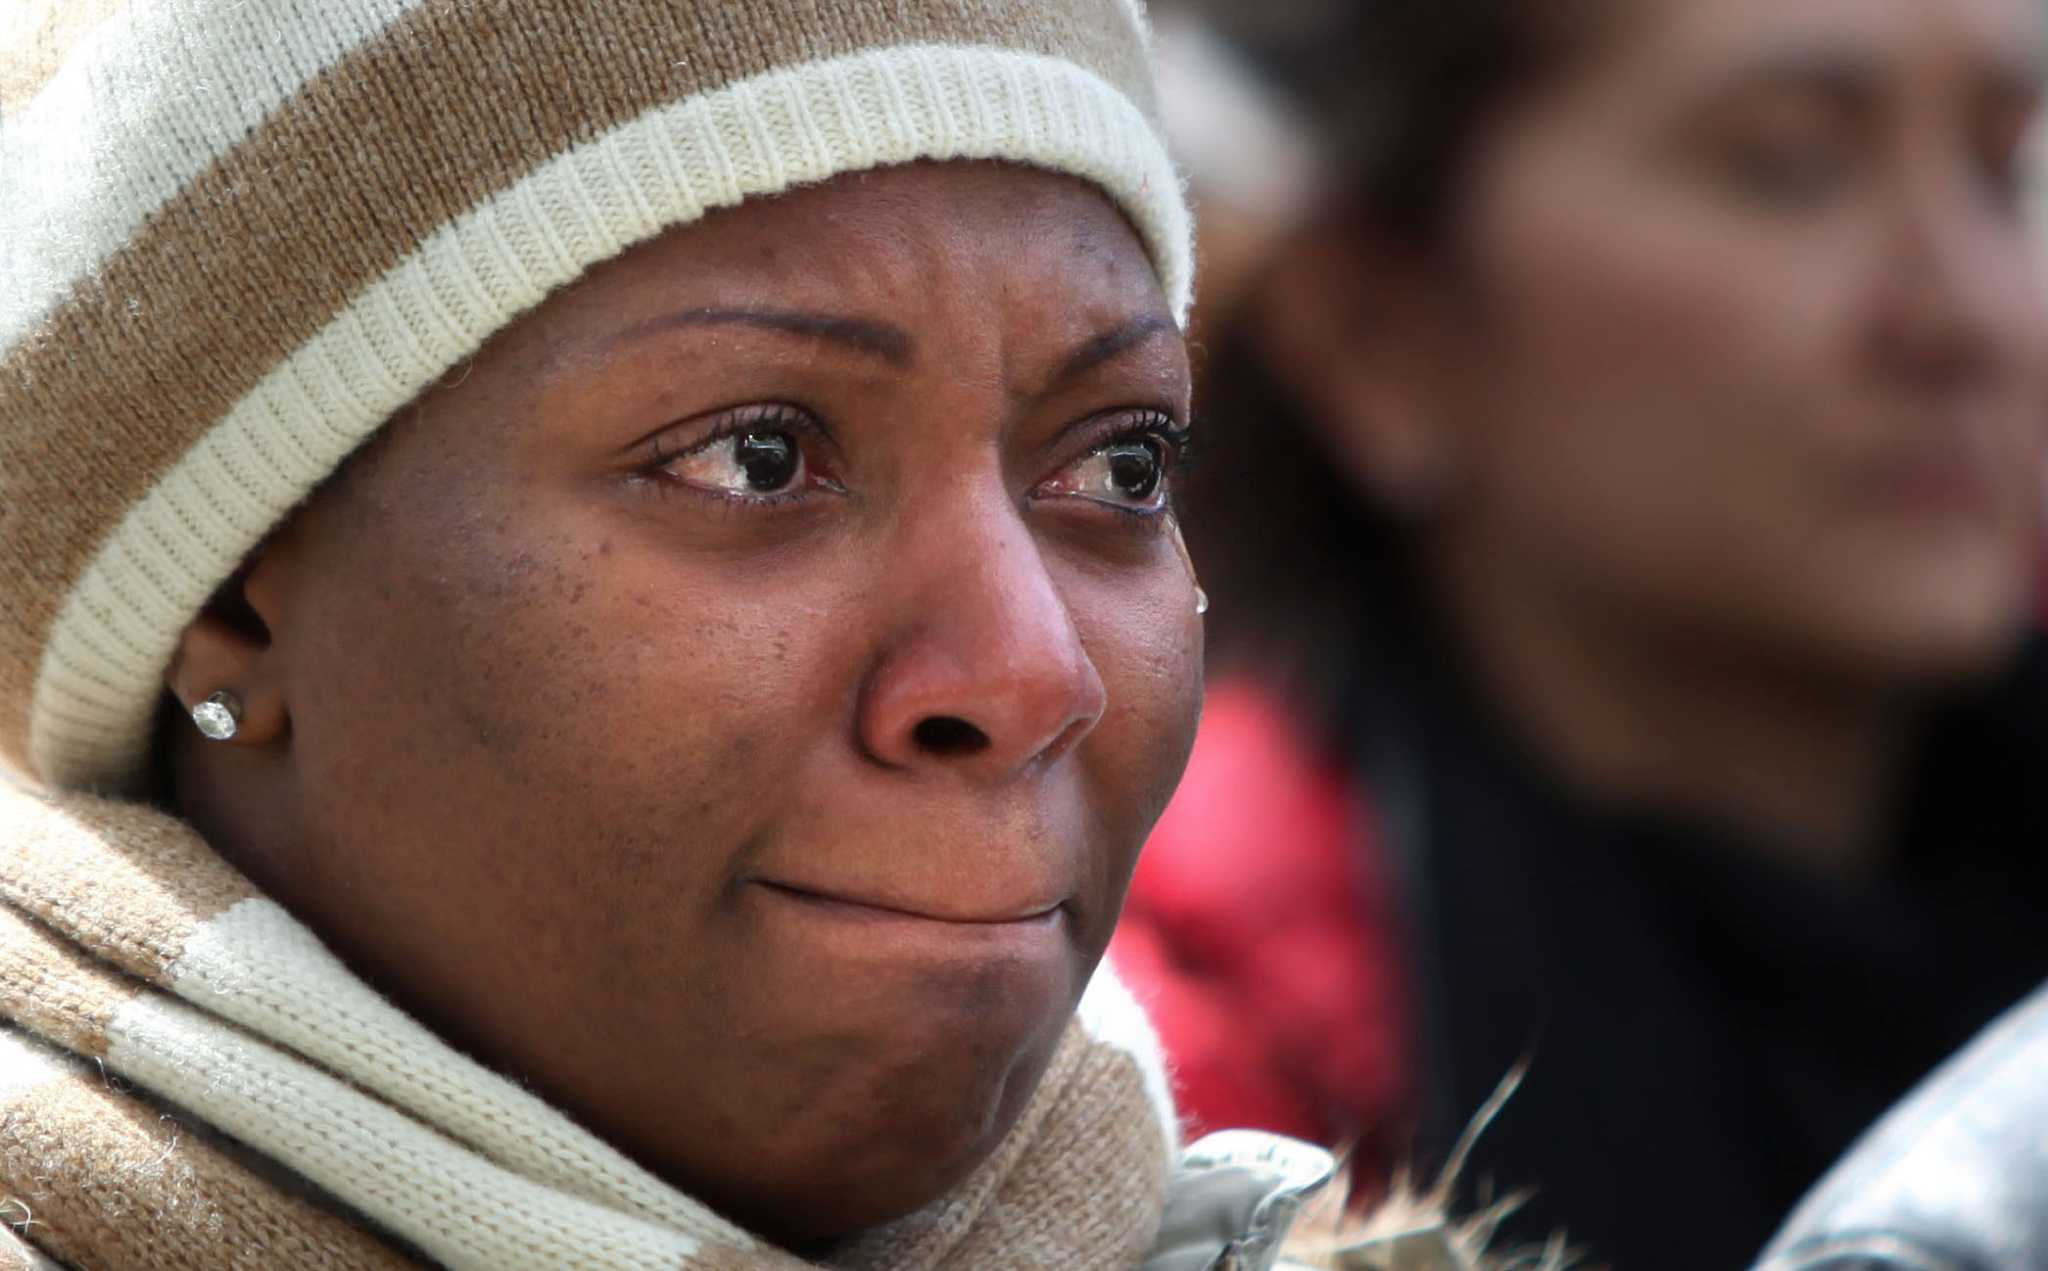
[947, 737]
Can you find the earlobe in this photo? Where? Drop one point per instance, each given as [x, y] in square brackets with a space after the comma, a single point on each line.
[217, 658]
[229, 651]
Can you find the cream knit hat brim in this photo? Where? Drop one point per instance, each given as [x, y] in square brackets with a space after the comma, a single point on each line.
[224, 287]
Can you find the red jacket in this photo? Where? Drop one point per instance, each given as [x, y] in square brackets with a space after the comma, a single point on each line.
[1258, 933]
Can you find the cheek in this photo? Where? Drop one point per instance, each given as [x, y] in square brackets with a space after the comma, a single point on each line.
[578, 725]
[1666, 389]
[1665, 343]
[1146, 642]
[667, 697]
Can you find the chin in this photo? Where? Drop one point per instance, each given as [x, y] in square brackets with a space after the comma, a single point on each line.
[1944, 628]
[907, 1133]
[860, 1064]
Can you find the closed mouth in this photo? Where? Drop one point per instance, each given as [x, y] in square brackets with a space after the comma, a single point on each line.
[884, 909]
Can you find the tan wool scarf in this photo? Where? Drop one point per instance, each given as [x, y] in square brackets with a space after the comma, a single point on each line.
[189, 1079]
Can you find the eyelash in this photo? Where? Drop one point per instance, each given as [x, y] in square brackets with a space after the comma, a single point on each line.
[1143, 425]
[775, 416]
[1137, 425]
[1111, 429]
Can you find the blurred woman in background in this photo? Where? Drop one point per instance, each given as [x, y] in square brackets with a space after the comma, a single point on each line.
[1633, 476]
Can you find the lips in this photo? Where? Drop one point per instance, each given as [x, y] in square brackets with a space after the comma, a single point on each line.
[1949, 465]
[850, 904]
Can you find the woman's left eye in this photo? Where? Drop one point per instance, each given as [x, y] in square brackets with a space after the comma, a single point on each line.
[1130, 473]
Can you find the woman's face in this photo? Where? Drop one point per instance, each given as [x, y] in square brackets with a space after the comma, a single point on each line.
[735, 703]
[1751, 343]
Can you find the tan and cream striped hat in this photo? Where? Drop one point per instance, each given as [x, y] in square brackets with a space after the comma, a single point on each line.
[236, 236]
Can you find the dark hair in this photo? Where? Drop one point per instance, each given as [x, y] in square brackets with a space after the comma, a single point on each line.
[1295, 558]
[1428, 76]
[1399, 88]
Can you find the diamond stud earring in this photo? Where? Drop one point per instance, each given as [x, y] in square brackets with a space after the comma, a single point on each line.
[218, 716]
[1201, 602]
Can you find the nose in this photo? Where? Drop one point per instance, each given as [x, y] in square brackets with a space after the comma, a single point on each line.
[1962, 304]
[984, 674]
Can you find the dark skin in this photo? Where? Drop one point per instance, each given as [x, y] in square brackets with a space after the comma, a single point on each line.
[735, 703]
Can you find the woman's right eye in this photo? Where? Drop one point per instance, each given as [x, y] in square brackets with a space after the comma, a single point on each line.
[761, 457]
[757, 463]
[1788, 147]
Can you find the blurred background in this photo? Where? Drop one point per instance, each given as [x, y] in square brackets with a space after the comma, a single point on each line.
[1620, 489]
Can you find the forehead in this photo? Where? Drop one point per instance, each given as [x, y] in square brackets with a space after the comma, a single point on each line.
[962, 247]
[1960, 35]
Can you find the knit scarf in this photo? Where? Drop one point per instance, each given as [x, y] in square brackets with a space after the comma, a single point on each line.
[189, 1079]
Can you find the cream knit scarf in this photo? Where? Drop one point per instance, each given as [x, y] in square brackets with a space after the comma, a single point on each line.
[188, 1079]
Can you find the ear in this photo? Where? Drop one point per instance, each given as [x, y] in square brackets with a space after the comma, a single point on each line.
[228, 648]
[1357, 328]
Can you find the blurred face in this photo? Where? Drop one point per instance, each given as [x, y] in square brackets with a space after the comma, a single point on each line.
[1752, 343]
[734, 705]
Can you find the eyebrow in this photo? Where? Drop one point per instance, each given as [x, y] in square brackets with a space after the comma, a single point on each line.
[1846, 77]
[1108, 346]
[884, 340]
[889, 342]
[1855, 78]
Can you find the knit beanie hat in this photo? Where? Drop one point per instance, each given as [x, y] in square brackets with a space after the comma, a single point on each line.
[236, 236]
